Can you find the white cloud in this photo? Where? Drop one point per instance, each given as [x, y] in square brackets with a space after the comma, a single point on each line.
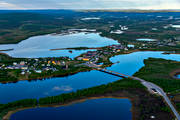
[62, 88]
[6, 5]
[90, 4]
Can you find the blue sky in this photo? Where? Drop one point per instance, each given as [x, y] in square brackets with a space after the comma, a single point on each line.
[89, 4]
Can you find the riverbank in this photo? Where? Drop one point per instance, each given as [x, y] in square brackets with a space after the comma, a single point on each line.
[77, 48]
[106, 62]
[175, 73]
[162, 73]
[50, 76]
[18, 69]
[144, 104]
[8, 115]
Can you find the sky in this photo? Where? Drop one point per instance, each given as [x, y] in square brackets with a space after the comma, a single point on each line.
[89, 4]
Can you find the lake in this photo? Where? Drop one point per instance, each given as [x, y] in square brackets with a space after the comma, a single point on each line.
[94, 109]
[128, 64]
[39, 46]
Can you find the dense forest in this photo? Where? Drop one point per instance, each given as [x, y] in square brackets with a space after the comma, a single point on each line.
[158, 71]
[145, 104]
[19, 25]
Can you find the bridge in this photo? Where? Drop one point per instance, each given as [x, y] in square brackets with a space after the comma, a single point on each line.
[150, 86]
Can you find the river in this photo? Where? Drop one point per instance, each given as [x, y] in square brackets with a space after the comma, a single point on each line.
[39, 46]
[128, 64]
[117, 108]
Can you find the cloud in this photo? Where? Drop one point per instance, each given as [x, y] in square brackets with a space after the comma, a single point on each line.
[6, 5]
[62, 88]
[90, 4]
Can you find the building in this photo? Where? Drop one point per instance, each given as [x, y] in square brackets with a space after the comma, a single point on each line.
[85, 59]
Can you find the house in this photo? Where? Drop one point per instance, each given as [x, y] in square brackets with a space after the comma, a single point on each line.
[79, 58]
[22, 73]
[53, 62]
[22, 63]
[14, 63]
[38, 71]
[24, 68]
[85, 59]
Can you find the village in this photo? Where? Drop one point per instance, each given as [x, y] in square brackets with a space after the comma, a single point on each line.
[41, 66]
[27, 66]
[99, 56]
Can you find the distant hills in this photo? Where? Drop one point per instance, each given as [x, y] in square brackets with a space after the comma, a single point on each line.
[130, 10]
[89, 10]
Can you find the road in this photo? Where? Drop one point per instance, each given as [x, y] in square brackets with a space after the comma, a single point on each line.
[148, 85]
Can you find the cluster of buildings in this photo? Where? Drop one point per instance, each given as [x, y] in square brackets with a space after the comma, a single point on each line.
[119, 31]
[95, 56]
[169, 42]
[37, 65]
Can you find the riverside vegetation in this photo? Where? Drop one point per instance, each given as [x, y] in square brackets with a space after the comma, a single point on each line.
[144, 103]
[159, 71]
[16, 26]
[14, 69]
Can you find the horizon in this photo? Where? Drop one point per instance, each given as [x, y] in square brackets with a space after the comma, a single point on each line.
[90, 5]
[100, 9]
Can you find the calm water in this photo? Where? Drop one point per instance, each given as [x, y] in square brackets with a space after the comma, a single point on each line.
[131, 63]
[176, 26]
[145, 39]
[128, 64]
[39, 46]
[178, 76]
[53, 86]
[96, 109]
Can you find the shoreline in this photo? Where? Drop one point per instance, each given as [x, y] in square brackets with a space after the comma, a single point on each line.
[10, 113]
[64, 75]
[76, 48]
[6, 50]
[174, 73]
[47, 77]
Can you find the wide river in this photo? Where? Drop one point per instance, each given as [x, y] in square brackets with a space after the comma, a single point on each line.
[39, 47]
[94, 109]
[128, 64]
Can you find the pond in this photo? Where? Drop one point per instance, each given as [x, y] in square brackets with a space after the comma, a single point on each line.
[39, 46]
[93, 109]
[127, 64]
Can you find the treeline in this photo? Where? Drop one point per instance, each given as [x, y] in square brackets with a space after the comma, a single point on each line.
[125, 84]
[60, 72]
[5, 59]
[158, 71]
[5, 76]
[5, 108]
[145, 105]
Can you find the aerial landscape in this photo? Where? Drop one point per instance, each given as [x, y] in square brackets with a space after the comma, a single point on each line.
[90, 60]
